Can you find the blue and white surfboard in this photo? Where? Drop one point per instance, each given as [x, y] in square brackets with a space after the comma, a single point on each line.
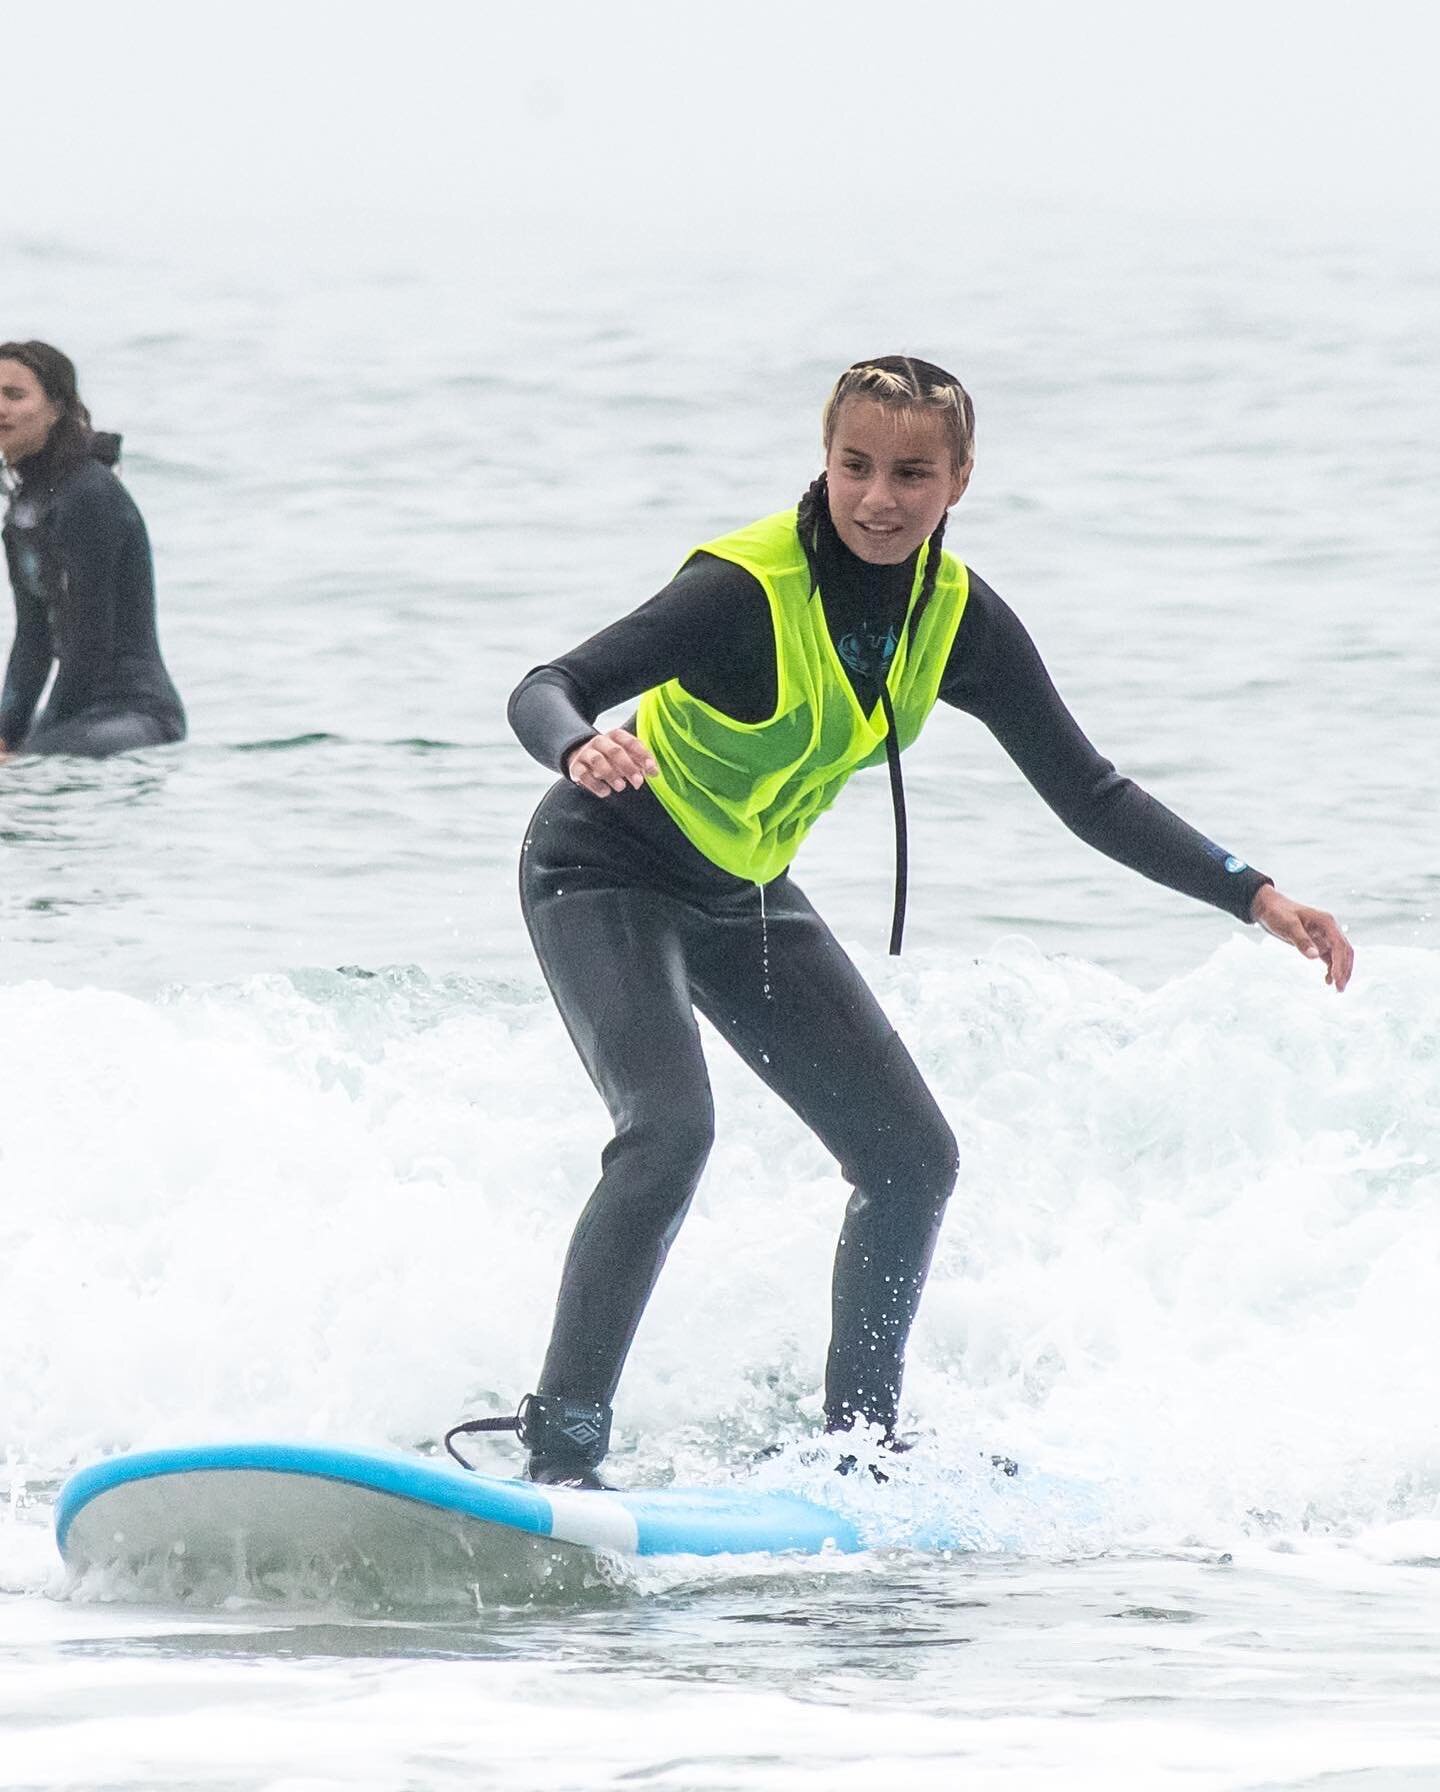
[249, 1508]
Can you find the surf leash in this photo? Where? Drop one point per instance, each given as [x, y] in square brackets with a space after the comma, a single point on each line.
[548, 1425]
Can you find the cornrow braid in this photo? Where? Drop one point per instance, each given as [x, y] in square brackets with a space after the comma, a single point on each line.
[901, 381]
[932, 572]
[812, 513]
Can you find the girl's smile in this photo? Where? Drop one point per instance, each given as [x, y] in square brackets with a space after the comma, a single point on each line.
[891, 478]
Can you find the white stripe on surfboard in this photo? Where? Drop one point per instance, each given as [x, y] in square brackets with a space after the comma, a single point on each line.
[592, 1519]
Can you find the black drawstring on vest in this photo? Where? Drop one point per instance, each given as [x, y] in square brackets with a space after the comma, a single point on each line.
[902, 838]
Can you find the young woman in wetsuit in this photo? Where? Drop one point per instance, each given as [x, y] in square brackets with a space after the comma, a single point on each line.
[81, 572]
[654, 878]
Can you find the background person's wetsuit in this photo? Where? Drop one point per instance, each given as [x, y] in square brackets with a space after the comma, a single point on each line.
[84, 585]
[635, 929]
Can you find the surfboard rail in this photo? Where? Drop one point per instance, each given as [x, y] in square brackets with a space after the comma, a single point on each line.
[141, 1505]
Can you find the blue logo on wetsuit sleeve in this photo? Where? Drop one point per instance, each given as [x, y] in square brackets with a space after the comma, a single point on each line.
[1228, 859]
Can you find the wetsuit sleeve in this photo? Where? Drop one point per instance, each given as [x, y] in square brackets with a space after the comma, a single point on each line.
[996, 674]
[28, 668]
[710, 628]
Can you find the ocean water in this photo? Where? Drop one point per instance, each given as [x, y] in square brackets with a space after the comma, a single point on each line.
[291, 1140]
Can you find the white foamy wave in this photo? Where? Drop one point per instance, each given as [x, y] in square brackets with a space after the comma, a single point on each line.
[1192, 1257]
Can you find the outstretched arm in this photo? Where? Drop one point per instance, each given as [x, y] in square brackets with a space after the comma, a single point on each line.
[996, 674]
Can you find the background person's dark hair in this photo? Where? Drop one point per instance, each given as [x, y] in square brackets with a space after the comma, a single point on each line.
[72, 439]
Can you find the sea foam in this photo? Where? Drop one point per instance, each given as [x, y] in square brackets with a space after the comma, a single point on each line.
[1192, 1256]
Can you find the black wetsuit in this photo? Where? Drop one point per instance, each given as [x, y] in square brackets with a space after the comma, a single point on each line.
[635, 929]
[80, 567]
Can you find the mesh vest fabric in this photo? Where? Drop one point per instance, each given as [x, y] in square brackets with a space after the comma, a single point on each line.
[747, 793]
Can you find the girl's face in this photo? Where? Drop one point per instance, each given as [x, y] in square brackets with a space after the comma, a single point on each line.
[891, 478]
[26, 415]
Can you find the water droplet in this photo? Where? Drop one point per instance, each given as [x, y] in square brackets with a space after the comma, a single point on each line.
[764, 949]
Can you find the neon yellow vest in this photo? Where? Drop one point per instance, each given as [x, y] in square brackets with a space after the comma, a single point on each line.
[747, 793]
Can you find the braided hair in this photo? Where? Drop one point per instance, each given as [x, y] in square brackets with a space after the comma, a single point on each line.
[900, 382]
[812, 523]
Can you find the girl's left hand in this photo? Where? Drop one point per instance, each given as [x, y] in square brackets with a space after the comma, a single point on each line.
[1309, 930]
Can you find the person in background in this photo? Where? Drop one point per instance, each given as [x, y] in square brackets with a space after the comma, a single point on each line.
[655, 877]
[81, 572]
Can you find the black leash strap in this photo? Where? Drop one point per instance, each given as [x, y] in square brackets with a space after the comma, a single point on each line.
[514, 1421]
[550, 1426]
[902, 836]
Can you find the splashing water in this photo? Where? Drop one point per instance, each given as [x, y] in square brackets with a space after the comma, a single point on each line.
[1190, 1250]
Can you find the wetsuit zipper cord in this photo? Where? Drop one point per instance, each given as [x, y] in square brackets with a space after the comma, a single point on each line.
[902, 841]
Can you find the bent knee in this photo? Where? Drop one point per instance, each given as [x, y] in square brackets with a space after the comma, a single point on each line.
[935, 1164]
[918, 1161]
[664, 1155]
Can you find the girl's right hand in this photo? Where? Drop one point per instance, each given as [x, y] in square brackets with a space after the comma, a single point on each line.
[610, 761]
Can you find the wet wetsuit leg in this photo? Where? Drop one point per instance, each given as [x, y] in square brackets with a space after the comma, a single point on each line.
[614, 960]
[97, 736]
[818, 1037]
[625, 962]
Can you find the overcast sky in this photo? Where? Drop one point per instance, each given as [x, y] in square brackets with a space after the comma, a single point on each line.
[181, 107]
